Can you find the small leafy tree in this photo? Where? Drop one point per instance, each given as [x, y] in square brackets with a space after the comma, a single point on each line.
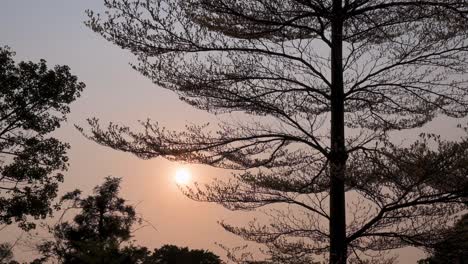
[34, 100]
[170, 254]
[101, 231]
[366, 67]
[97, 232]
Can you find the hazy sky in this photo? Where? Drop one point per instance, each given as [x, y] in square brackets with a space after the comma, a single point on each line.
[54, 30]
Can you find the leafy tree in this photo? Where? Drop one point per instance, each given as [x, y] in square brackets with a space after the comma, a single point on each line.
[99, 231]
[96, 233]
[369, 67]
[170, 254]
[454, 248]
[34, 100]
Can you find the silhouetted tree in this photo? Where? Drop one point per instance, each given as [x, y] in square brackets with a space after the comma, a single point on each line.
[100, 234]
[97, 232]
[170, 254]
[454, 248]
[34, 100]
[370, 67]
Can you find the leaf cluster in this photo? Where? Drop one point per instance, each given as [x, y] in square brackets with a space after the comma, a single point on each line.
[34, 101]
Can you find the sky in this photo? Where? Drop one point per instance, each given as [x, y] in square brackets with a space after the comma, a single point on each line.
[54, 30]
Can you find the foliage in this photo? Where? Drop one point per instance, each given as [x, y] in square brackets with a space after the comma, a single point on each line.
[101, 232]
[170, 254]
[34, 100]
[368, 67]
[453, 248]
[96, 233]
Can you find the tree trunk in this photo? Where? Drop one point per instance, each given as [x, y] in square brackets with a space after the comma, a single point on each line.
[338, 154]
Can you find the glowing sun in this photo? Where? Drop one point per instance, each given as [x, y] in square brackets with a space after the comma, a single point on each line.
[182, 176]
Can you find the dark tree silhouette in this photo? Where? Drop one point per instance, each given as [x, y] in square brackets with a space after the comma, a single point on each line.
[369, 67]
[101, 231]
[34, 100]
[170, 254]
[96, 233]
[454, 248]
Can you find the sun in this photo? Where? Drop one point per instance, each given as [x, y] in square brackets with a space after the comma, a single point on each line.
[182, 176]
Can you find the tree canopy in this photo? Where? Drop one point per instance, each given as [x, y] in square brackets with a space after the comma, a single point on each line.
[453, 248]
[34, 101]
[97, 232]
[101, 232]
[170, 254]
[366, 67]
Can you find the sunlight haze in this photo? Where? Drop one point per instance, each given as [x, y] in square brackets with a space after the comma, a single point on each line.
[54, 30]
